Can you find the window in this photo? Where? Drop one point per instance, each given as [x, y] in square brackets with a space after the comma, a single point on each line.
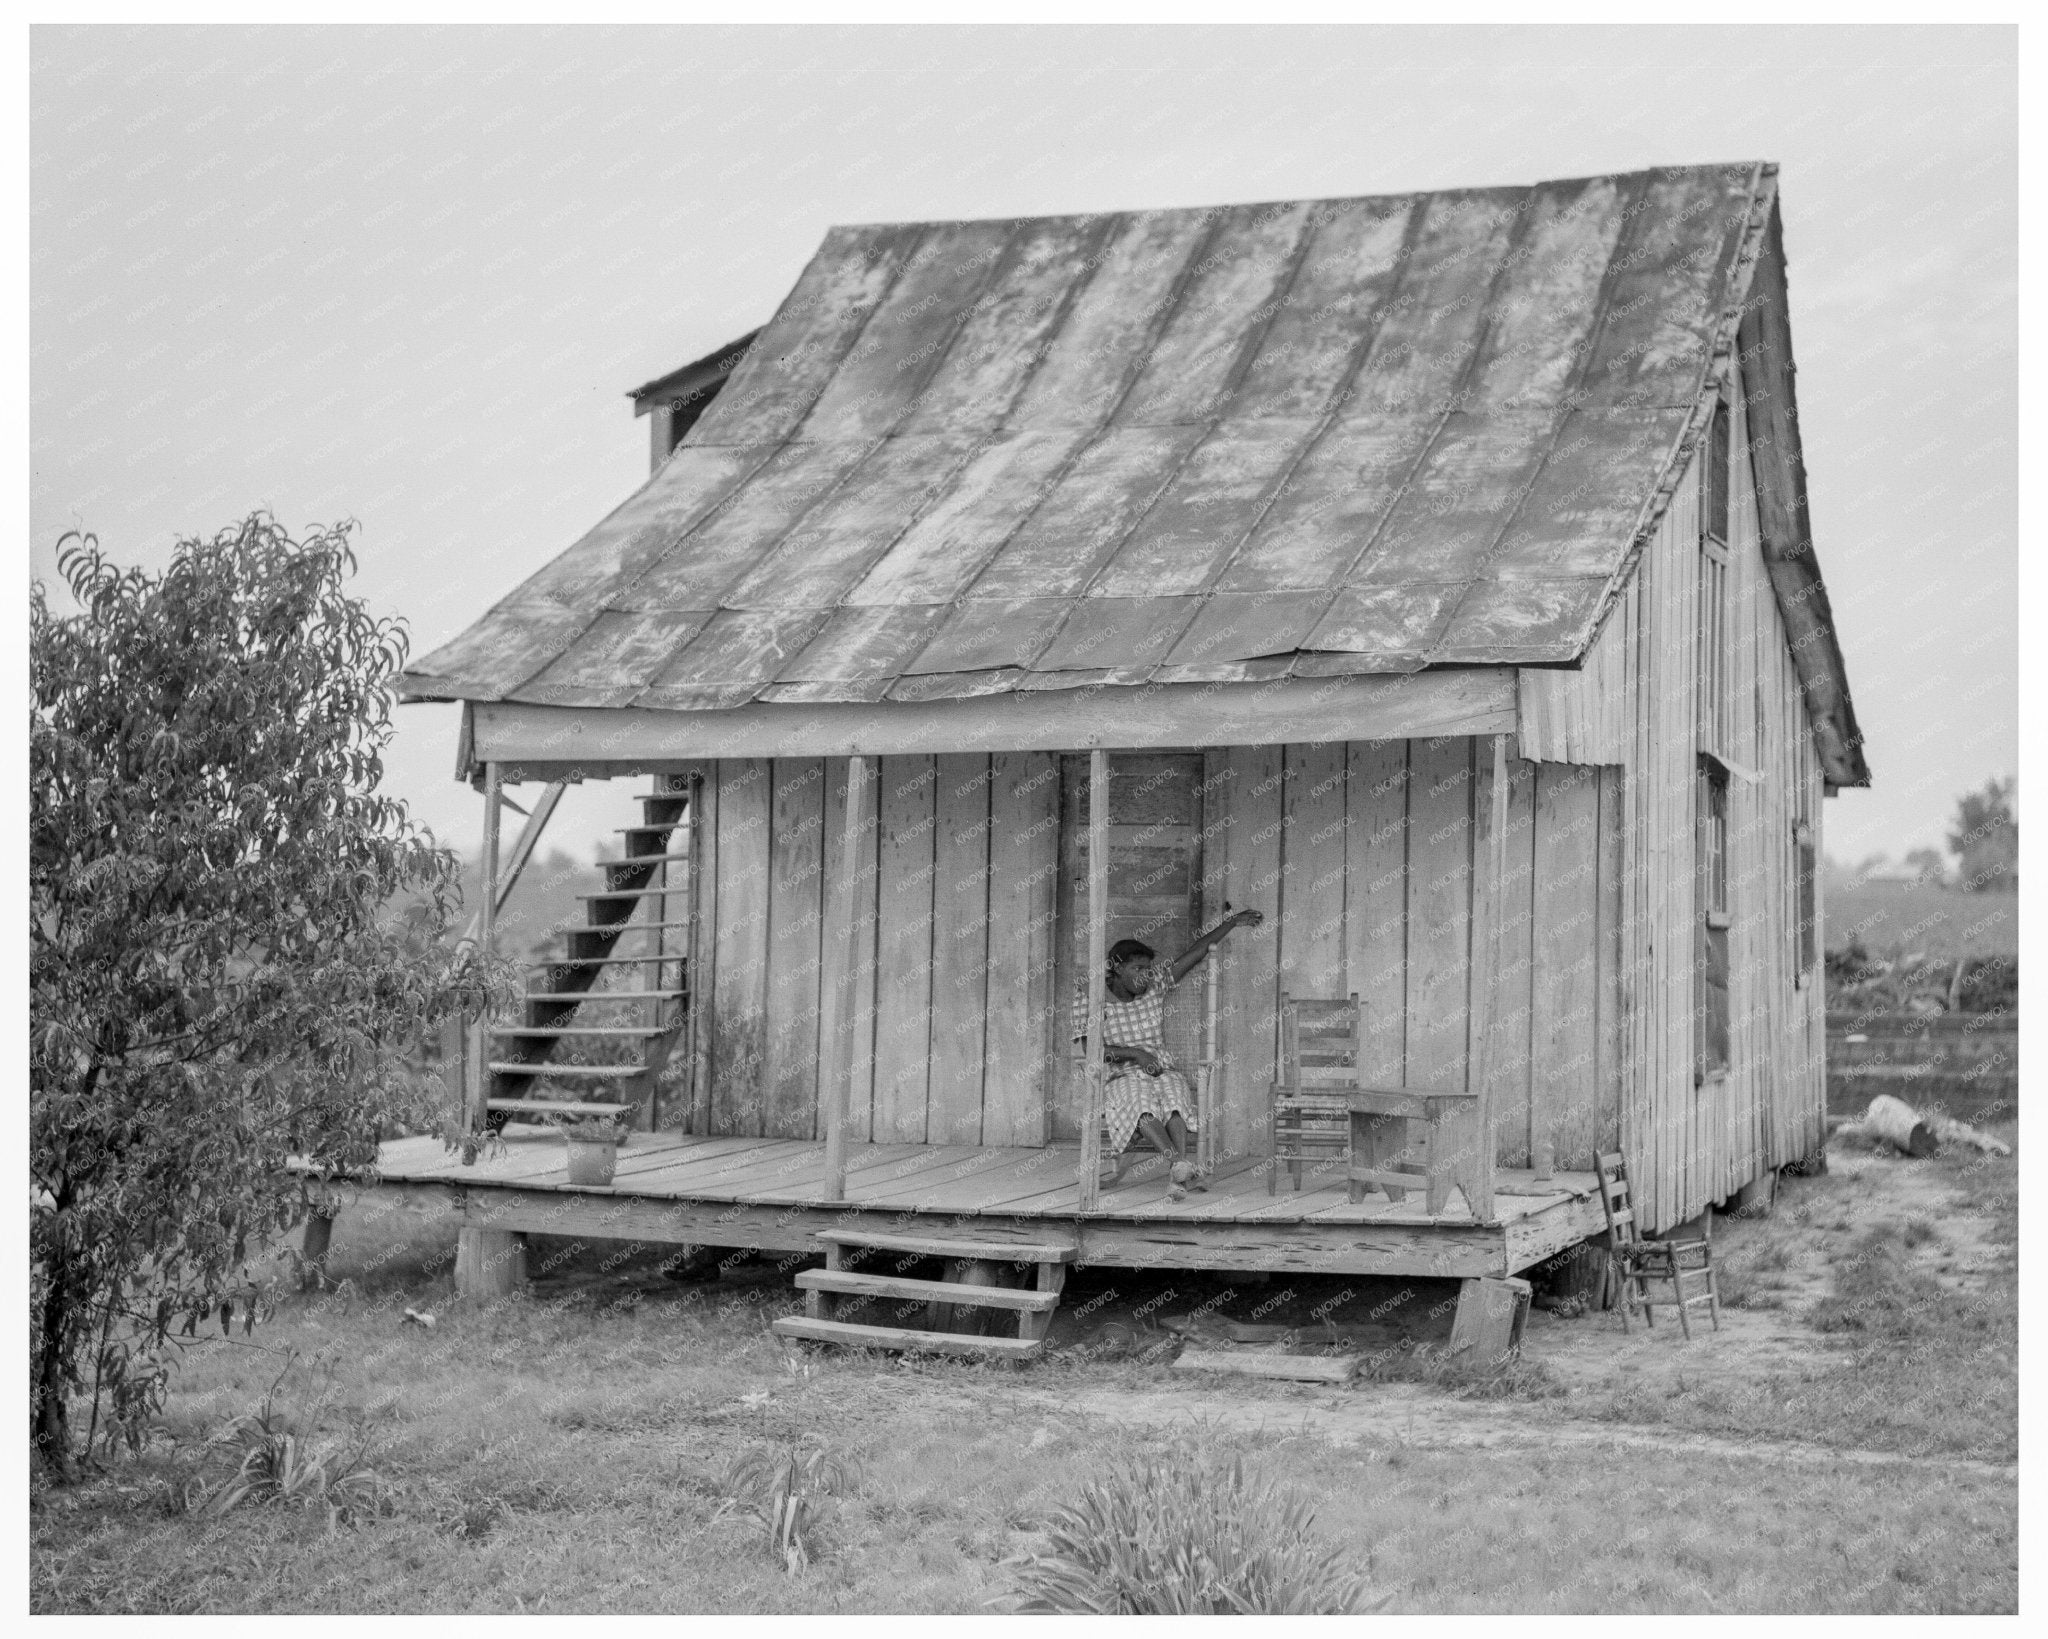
[1710, 962]
[1713, 613]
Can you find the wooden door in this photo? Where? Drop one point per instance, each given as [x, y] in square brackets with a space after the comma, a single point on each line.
[1155, 889]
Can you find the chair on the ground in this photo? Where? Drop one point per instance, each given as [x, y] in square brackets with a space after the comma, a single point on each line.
[1634, 1260]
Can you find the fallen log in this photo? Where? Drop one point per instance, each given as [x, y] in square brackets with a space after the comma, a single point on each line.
[1899, 1125]
[1301, 1368]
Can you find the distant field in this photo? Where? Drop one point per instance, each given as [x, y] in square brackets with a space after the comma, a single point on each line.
[1901, 918]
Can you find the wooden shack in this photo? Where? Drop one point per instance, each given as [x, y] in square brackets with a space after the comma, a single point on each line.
[1431, 572]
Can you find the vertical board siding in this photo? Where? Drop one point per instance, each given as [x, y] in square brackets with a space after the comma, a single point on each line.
[1515, 1090]
[1564, 1023]
[1250, 984]
[739, 997]
[1440, 845]
[907, 805]
[960, 949]
[1312, 859]
[789, 1076]
[1376, 903]
[840, 945]
[1024, 836]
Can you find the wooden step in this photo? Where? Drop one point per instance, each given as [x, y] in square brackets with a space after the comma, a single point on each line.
[933, 1291]
[642, 1031]
[650, 892]
[901, 1338]
[930, 1246]
[578, 996]
[611, 961]
[625, 924]
[646, 830]
[556, 1106]
[643, 859]
[576, 1072]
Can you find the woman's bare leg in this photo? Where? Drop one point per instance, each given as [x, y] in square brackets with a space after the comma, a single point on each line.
[1157, 1135]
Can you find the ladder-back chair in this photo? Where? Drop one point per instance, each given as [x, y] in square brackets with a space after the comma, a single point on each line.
[1634, 1260]
[1322, 1111]
[1318, 1072]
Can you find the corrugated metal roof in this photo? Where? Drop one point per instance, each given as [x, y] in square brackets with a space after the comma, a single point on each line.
[1308, 438]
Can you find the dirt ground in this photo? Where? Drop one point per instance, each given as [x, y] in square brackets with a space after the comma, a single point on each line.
[1846, 1441]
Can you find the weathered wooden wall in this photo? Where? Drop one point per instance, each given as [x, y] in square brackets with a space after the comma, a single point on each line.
[949, 1036]
[1634, 703]
[1361, 855]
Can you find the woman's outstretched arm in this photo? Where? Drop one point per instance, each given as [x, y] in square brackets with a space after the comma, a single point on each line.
[1184, 963]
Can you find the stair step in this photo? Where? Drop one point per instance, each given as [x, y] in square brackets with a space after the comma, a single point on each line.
[935, 1291]
[601, 995]
[930, 1246]
[591, 1072]
[612, 961]
[556, 1106]
[644, 859]
[626, 925]
[551, 1030]
[910, 1342]
[647, 830]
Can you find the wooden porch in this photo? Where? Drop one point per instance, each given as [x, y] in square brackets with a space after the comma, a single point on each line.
[770, 1194]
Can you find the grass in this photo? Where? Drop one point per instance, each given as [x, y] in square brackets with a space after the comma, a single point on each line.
[578, 1449]
[1925, 1365]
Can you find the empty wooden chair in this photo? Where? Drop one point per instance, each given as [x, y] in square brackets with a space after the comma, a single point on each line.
[1634, 1260]
[1318, 1072]
[1323, 1113]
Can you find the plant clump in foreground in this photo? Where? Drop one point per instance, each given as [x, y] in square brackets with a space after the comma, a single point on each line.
[1178, 1533]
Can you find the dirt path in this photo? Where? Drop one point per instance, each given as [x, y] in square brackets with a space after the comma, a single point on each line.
[1785, 1260]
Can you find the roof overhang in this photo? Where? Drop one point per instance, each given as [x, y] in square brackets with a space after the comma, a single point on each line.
[571, 742]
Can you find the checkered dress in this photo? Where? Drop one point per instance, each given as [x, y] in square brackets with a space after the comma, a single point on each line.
[1129, 1092]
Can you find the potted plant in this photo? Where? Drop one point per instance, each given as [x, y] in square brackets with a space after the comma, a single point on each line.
[594, 1149]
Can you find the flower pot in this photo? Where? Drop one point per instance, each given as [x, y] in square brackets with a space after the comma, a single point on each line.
[592, 1160]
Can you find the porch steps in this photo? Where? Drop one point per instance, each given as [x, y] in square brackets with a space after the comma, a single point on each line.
[824, 1289]
[551, 1014]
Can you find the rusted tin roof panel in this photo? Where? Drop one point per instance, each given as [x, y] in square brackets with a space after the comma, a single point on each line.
[1093, 506]
[1117, 309]
[1670, 290]
[799, 353]
[497, 654]
[865, 643]
[1013, 320]
[982, 634]
[613, 659]
[1348, 274]
[1206, 510]
[1245, 625]
[1309, 438]
[840, 537]
[735, 656]
[1509, 622]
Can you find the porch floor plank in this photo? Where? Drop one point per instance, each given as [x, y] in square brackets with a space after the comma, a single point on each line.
[959, 1180]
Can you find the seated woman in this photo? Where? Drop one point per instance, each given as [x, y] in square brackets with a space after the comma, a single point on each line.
[1144, 1091]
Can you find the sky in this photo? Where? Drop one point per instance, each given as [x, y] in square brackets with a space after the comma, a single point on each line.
[407, 276]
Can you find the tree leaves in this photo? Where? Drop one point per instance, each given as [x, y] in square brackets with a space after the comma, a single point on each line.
[220, 976]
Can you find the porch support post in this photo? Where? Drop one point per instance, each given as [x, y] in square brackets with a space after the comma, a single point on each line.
[1480, 1174]
[837, 1033]
[1098, 964]
[488, 1262]
[478, 1077]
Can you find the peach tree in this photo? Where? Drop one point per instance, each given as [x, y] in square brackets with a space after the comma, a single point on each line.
[234, 942]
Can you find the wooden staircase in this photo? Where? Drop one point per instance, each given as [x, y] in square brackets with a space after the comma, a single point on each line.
[585, 1049]
[839, 1290]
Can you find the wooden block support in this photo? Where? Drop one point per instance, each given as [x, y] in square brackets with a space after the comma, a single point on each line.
[1486, 1332]
[489, 1263]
